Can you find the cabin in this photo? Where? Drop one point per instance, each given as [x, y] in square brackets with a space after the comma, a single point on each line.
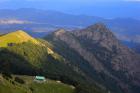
[40, 79]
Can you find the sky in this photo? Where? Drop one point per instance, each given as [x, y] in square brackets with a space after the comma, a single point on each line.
[101, 8]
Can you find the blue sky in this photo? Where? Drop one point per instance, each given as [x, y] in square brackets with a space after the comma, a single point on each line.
[103, 8]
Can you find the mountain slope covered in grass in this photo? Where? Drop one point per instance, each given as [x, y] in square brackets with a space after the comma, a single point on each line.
[31, 58]
[16, 38]
[9, 85]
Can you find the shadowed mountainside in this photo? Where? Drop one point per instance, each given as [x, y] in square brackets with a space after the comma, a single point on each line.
[108, 62]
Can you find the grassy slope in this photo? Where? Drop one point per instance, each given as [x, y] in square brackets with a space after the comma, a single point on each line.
[48, 87]
[6, 86]
[16, 37]
[34, 47]
[51, 87]
[52, 64]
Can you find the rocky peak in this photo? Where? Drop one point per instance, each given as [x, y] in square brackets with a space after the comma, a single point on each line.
[99, 34]
[97, 27]
[98, 30]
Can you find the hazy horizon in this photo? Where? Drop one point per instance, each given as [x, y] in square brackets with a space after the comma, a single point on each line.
[101, 8]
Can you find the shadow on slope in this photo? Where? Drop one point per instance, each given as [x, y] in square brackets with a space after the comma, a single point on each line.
[14, 63]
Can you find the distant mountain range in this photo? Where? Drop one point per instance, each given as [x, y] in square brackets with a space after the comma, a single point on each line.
[38, 23]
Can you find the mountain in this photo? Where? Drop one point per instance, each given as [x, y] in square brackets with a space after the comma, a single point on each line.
[48, 17]
[97, 52]
[39, 22]
[92, 59]
[22, 54]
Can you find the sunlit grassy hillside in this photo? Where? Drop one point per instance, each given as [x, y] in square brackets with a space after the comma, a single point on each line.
[16, 38]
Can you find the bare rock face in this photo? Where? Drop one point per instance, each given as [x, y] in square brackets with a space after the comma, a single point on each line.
[120, 57]
[103, 51]
[98, 33]
[70, 40]
[123, 58]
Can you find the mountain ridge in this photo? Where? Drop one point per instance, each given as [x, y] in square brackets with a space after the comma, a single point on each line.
[92, 59]
[27, 58]
[103, 51]
[126, 29]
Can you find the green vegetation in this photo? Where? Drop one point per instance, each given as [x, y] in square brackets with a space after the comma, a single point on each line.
[16, 38]
[50, 86]
[29, 58]
[19, 80]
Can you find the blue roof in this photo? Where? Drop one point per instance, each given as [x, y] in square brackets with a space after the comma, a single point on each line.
[40, 77]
